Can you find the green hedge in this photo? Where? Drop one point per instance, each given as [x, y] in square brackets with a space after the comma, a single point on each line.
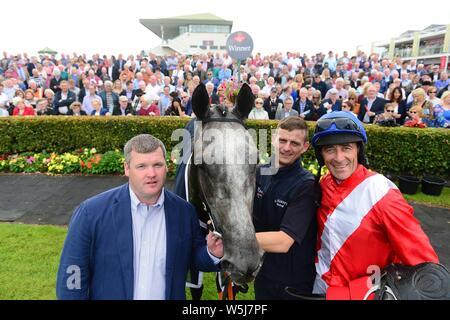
[390, 150]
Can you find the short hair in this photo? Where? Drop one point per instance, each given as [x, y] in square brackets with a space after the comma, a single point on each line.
[304, 90]
[29, 91]
[289, 98]
[143, 143]
[49, 91]
[41, 100]
[210, 84]
[418, 109]
[294, 123]
[75, 104]
[419, 91]
[349, 104]
[388, 105]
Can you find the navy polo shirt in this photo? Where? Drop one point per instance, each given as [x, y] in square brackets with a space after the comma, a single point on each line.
[285, 202]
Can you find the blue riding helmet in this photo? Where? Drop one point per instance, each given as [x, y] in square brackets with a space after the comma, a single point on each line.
[338, 127]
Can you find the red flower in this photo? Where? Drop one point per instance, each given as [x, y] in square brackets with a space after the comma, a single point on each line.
[95, 159]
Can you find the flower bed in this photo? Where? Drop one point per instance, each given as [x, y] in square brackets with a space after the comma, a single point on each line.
[85, 160]
[88, 161]
[395, 151]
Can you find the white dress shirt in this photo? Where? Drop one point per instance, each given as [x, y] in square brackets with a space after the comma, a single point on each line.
[149, 244]
[149, 249]
[369, 106]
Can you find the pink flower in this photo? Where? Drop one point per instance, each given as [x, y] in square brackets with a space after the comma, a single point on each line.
[30, 160]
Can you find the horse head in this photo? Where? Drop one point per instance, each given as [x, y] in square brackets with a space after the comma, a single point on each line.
[225, 158]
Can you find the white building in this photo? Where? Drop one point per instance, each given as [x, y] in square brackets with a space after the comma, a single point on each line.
[430, 45]
[199, 33]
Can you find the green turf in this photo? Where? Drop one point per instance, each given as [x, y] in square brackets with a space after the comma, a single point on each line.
[443, 200]
[29, 258]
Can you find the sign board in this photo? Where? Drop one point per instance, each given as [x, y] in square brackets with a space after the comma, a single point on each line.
[443, 63]
[239, 45]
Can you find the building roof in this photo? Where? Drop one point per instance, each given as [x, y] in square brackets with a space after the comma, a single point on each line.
[435, 26]
[432, 27]
[408, 33]
[199, 16]
[171, 24]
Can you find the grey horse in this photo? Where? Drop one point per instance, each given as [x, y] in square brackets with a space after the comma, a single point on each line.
[222, 179]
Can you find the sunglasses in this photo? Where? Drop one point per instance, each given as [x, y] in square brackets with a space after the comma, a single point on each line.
[414, 112]
[258, 103]
[390, 110]
[432, 92]
[340, 123]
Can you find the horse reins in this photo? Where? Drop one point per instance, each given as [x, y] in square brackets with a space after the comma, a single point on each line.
[227, 292]
[223, 111]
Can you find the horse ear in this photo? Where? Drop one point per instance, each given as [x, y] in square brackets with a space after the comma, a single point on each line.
[200, 101]
[244, 101]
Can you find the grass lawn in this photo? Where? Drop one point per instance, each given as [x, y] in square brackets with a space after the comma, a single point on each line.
[443, 200]
[29, 258]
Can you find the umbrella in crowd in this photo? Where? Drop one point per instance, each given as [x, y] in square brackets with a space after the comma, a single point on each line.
[47, 50]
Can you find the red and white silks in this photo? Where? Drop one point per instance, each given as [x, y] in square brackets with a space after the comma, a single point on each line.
[365, 223]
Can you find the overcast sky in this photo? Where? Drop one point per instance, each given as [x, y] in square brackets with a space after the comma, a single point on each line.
[112, 26]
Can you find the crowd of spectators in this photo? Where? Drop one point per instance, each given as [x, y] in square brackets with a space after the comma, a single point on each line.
[376, 89]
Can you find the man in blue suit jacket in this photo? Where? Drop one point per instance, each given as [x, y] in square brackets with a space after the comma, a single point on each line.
[366, 114]
[135, 241]
[63, 99]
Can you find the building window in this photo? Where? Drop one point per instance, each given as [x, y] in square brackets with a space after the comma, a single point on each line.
[202, 47]
[223, 47]
[432, 46]
[193, 46]
[403, 50]
[213, 47]
[183, 29]
[205, 28]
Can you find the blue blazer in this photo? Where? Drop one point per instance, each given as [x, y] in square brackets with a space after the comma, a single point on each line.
[377, 107]
[100, 242]
[335, 107]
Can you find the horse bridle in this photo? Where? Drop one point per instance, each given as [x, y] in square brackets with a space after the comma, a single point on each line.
[223, 111]
[205, 205]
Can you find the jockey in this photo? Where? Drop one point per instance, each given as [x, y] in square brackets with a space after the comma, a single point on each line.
[364, 223]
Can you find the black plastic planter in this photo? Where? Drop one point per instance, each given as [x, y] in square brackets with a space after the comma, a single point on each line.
[432, 185]
[408, 184]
